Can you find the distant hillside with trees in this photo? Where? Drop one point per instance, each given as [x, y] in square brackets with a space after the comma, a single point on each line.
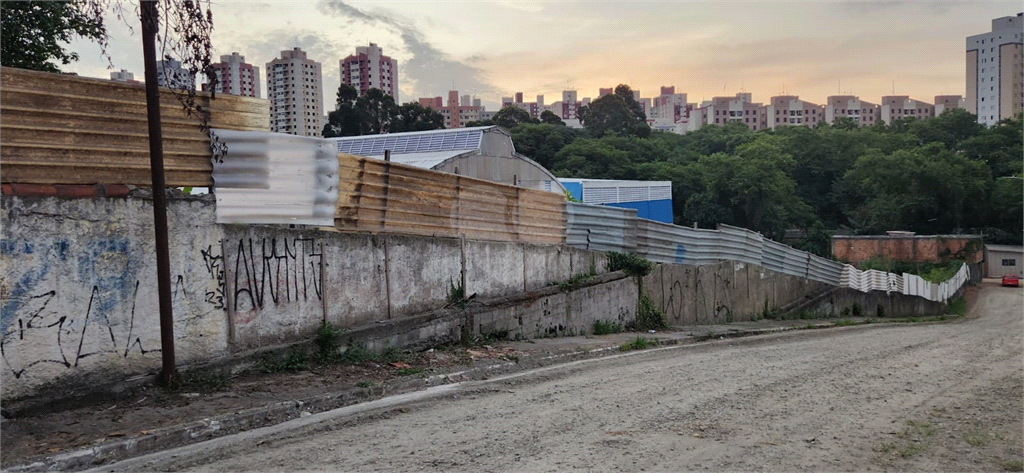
[942, 175]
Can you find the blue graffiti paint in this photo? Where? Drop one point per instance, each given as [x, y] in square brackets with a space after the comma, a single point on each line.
[23, 288]
[97, 267]
[680, 253]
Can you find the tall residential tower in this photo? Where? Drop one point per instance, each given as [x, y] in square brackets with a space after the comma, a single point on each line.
[369, 69]
[995, 72]
[296, 93]
[237, 77]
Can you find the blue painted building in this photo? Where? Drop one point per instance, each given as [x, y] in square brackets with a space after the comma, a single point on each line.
[651, 199]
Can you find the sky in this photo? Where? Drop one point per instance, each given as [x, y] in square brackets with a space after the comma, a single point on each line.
[491, 49]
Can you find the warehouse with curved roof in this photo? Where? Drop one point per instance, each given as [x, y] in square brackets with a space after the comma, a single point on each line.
[483, 152]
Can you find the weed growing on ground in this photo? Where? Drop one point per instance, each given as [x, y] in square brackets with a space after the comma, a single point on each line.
[857, 311]
[357, 353]
[326, 341]
[640, 343]
[577, 281]
[206, 381]
[631, 263]
[457, 294]
[605, 327]
[648, 317]
[844, 323]
[364, 384]
[409, 371]
[976, 437]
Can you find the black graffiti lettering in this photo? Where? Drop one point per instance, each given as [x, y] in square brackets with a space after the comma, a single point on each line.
[215, 268]
[285, 270]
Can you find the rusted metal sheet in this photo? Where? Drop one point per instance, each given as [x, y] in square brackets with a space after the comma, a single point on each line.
[380, 196]
[61, 129]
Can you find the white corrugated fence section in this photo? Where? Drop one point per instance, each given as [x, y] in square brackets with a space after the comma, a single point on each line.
[275, 178]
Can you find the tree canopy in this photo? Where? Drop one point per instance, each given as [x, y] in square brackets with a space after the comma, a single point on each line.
[33, 33]
[941, 175]
[617, 113]
[375, 112]
[510, 116]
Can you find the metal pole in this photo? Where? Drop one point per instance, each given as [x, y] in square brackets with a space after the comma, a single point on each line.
[150, 24]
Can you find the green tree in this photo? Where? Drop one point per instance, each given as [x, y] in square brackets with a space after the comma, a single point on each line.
[375, 113]
[33, 33]
[618, 113]
[414, 117]
[925, 189]
[542, 142]
[511, 116]
[549, 117]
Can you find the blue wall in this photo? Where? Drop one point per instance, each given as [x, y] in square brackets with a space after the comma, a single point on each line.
[574, 188]
[658, 210]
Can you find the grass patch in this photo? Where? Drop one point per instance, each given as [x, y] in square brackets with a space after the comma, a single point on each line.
[205, 381]
[409, 371]
[326, 341]
[364, 384]
[270, 362]
[844, 323]
[957, 307]
[640, 343]
[605, 327]
[1013, 465]
[976, 437]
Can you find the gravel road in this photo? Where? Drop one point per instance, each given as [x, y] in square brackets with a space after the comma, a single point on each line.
[922, 397]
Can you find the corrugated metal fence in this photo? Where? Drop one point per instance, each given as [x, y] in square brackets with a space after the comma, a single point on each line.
[664, 243]
[61, 129]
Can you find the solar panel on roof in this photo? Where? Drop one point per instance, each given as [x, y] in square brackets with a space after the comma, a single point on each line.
[417, 142]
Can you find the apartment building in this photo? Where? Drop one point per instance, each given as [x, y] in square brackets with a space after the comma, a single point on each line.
[895, 107]
[296, 94]
[123, 76]
[948, 102]
[852, 107]
[789, 110]
[533, 108]
[737, 109]
[237, 77]
[456, 113]
[995, 72]
[169, 73]
[369, 69]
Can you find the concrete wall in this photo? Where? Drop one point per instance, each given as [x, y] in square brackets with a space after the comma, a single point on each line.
[80, 305]
[79, 299]
[722, 293]
[874, 304]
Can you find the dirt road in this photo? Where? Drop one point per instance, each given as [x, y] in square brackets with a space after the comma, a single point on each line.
[923, 397]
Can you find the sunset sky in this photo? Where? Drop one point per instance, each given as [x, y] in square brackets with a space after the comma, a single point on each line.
[491, 49]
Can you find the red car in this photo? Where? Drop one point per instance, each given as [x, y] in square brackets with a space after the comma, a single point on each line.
[1011, 280]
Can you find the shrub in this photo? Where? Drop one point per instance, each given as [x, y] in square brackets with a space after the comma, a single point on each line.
[605, 327]
[647, 317]
[631, 263]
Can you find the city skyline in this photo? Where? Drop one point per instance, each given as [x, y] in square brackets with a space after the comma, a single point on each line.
[493, 49]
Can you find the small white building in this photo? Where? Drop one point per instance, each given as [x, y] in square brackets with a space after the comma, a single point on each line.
[1001, 260]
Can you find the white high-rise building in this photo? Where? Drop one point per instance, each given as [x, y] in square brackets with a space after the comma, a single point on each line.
[995, 72]
[296, 93]
[169, 73]
[123, 76]
[369, 69]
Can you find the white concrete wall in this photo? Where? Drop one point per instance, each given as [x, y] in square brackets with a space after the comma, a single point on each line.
[79, 292]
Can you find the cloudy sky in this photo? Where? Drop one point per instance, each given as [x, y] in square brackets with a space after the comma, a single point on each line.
[490, 49]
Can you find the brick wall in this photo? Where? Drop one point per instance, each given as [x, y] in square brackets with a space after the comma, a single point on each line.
[921, 249]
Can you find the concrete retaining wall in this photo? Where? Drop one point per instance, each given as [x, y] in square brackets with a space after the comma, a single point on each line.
[80, 305]
[874, 304]
[722, 293]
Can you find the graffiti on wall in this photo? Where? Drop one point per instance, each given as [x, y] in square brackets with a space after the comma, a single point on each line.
[215, 268]
[276, 271]
[41, 326]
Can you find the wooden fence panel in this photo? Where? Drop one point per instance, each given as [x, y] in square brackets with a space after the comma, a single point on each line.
[379, 196]
[61, 129]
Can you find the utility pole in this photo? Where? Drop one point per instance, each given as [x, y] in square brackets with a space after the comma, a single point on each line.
[150, 25]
